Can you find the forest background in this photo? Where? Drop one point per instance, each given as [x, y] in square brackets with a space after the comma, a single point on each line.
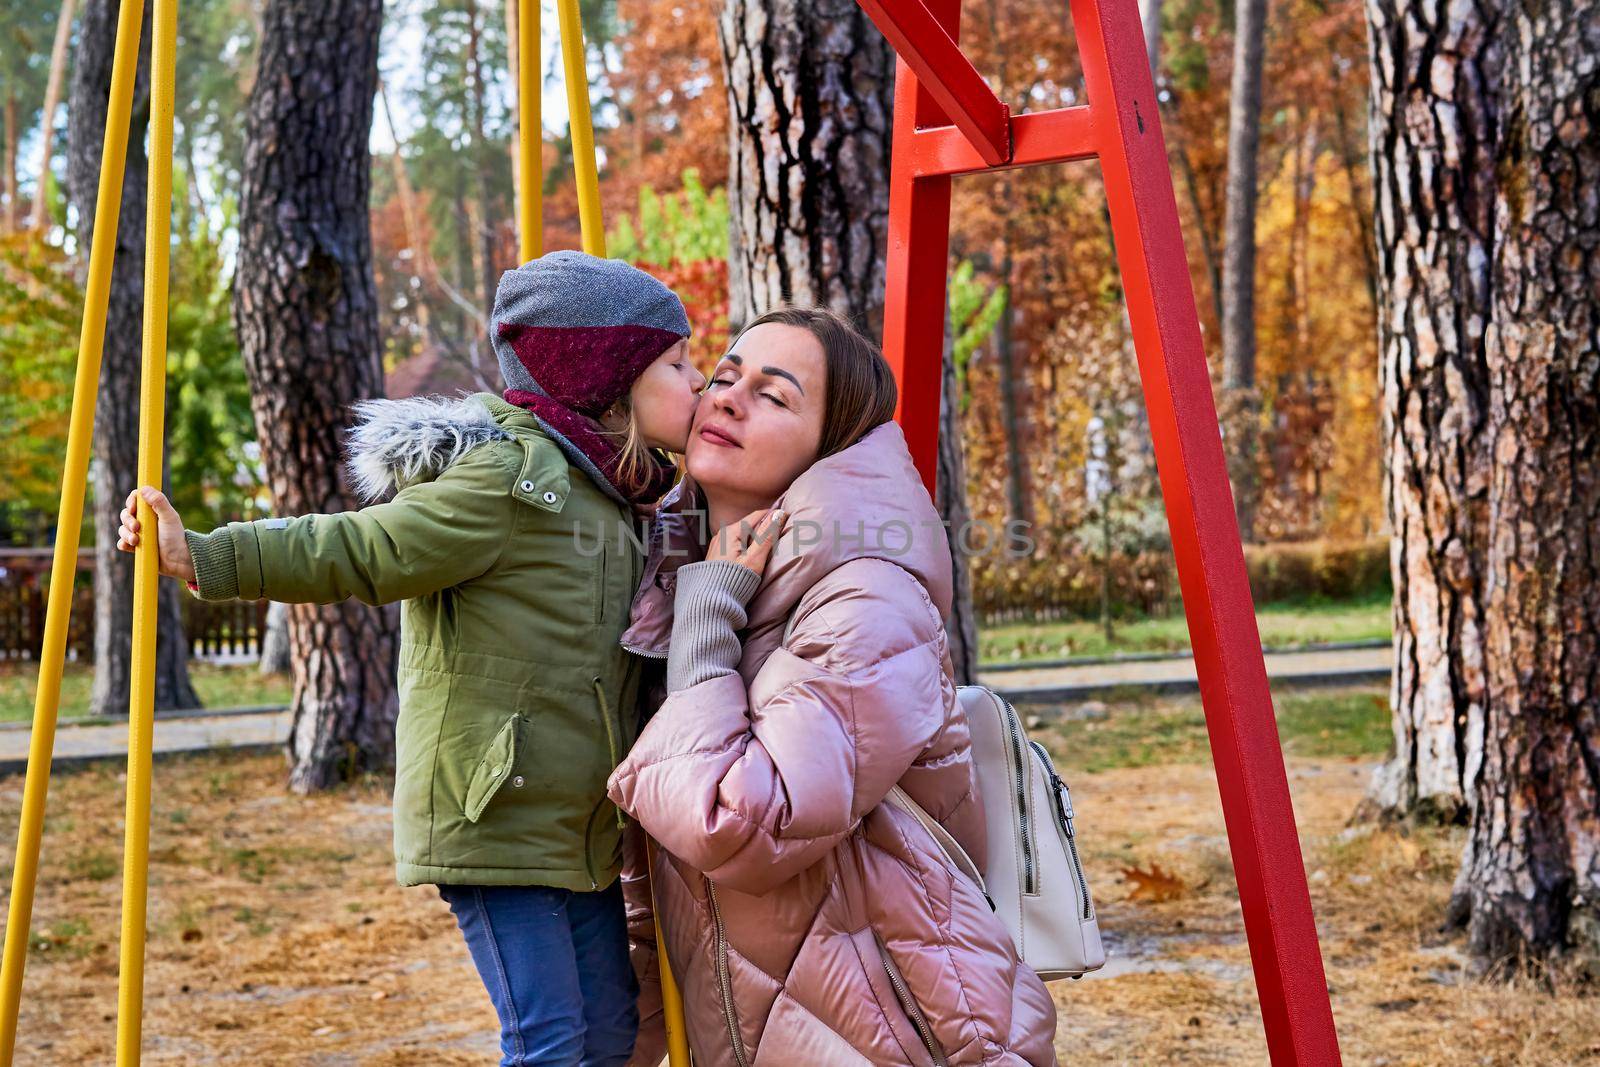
[1051, 414]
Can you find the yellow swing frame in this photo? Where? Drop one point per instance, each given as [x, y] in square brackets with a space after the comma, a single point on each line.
[152, 395]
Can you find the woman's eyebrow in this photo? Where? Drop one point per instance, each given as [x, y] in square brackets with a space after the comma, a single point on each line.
[779, 372]
[776, 372]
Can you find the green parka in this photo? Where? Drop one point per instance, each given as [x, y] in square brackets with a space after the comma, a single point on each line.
[516, 572]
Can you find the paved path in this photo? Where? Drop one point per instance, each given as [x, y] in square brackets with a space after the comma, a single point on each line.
[268, 728]
[76, 744]
[1176, 675]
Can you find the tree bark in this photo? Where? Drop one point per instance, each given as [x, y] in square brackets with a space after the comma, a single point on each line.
[1239, 254]
[1150, 18]
[275, 658]
[950, 497]
[306, 309]
[116, 424]
[1530, 878]
[1014, 396]
[9, 159]
[1432, 137]
[810, 95]
[47, 120]
[483, 159]
[421, 257]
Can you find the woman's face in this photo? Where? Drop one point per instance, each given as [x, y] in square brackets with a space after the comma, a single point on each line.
[759, 423]
[664, 398]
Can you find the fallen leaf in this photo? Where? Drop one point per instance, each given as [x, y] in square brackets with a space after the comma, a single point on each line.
[1155, 885]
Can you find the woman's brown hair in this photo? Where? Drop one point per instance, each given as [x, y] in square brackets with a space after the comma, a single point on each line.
[861, 390]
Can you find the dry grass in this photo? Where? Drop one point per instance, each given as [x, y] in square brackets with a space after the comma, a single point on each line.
[277, 934]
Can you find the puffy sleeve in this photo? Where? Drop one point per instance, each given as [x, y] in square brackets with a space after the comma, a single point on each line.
[752, 785]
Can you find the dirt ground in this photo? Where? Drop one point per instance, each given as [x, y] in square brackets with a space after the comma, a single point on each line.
[277, 935]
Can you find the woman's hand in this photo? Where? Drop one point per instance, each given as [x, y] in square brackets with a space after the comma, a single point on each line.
[749, 541]
[172, 551]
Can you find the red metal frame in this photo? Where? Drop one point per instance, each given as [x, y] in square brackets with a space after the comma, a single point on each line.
[940, 131]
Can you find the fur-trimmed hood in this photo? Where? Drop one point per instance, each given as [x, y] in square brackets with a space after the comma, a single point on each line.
[394, 443]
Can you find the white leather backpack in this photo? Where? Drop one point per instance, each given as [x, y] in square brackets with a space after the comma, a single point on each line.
[1034, 878]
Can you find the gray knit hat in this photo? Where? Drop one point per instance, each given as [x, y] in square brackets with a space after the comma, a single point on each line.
[581, 329]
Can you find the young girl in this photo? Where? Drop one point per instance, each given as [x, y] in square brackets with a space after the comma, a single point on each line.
[507, 542]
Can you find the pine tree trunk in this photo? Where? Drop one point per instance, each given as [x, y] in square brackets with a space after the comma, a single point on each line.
[421, 257]
[1432, 134]
[1530, 879]
[810, 95]
[1239, 257]
[950, 497]
[116, 424]
[9, 160]
[1150, 18]
[275, 658]
[306, 309]
[52, 99]
[1013, 391]
[482, 160]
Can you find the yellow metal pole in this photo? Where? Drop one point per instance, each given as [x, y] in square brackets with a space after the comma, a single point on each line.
[47, 698]
[671, 997]
[530, 129]
[583, 157]
[152, 417]
[671, 1005]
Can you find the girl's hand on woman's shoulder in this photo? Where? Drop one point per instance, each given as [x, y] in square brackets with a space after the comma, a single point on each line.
[172, 549]
[749, 541]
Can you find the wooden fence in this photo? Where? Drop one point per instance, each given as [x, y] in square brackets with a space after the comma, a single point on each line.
[229, 630]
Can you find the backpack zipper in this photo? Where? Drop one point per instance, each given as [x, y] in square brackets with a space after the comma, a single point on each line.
[1064, 813]
[1019, 785]
[912, 1010]
[725, 979]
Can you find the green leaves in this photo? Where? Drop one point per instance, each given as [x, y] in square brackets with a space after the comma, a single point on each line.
[975, 309]
[683, 227]
[39, 311]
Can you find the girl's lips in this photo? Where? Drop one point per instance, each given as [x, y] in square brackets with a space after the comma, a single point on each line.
[717, 437]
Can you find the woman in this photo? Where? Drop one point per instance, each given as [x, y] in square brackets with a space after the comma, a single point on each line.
[512, 683]
[806, 921]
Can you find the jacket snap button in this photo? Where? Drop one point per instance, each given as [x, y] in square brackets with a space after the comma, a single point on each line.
[527, 487]
[517, 781]
[549, 497]
[495, 772]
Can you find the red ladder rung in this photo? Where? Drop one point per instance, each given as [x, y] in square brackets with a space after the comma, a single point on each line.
[1037, 138]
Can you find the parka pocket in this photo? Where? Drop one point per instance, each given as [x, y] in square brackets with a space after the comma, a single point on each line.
[909, 1005]
[493, 768]
[907, 1028]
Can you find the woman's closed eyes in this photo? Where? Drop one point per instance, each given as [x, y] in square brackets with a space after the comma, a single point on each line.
[774, 397]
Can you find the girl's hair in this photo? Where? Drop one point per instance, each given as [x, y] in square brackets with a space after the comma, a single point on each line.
[635, 461]
[861, 391]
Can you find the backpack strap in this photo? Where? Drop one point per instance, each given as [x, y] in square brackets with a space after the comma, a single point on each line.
[942, 837]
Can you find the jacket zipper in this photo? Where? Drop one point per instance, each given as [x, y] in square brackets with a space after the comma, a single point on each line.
[725, 979]
[1019, 783]
[912, 1010]
[1064, 815]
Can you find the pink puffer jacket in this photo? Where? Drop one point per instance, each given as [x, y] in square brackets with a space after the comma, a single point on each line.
[806, 921]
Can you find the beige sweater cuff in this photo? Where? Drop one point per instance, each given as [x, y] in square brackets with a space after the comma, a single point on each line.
[708, 613]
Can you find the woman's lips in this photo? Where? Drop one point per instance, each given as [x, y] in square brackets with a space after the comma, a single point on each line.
[717, 437]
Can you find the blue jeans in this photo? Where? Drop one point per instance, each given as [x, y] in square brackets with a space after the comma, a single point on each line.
[556, 966]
